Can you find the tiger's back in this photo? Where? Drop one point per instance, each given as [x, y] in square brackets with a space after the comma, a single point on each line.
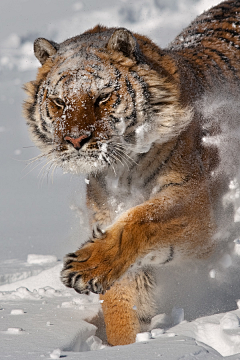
[115, 106]
[211, 44]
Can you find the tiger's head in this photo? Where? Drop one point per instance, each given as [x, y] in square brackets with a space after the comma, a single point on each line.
[99, 97]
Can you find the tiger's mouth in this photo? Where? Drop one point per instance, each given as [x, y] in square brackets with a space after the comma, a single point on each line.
[81, 162]
[81, 155]
[87, 155]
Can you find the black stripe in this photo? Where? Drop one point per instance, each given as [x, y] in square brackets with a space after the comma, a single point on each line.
[171, 255]
[117, 72]
[144, 108]
[40, 135]
[163, 163]
[132, 93]
[117, 86]
[225, 59]
[213, 32]
[131, 120]
[47, 111]
[210, 64]
[114, 119]
[149, 276]
[44, 124]
[220, 17]
[229, 31]
[156, 170]
[227, 41]
[215, 65]
[109, 85]
[31, 110]
[117, 102]
[40, 95]
[60, 79]
[142, 83]
[130, 90]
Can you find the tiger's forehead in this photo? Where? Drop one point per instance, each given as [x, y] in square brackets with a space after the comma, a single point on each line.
[81, 73]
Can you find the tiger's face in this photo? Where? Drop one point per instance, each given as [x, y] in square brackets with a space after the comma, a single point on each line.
[89, 114]
[97, 104]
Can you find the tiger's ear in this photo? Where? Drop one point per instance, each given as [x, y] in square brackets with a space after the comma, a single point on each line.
[124, 41]
[44, 48]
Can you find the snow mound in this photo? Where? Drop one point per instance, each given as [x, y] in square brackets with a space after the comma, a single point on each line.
[14, 270]
[41, 259]
[49, 277]
[220, 331]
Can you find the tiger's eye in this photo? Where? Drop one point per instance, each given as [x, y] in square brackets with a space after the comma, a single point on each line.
[103, 98]
[58, 102]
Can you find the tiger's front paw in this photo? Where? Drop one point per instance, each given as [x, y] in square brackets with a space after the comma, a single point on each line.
[94, 268]
[71, 277]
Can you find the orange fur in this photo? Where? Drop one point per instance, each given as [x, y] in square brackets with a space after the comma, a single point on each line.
[121, 319]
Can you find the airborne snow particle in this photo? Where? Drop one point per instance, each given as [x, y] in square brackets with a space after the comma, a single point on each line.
[212, 274]
[17, 152]
[14, 330]
[17, 312]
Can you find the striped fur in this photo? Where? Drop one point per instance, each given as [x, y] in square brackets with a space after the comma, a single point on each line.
[113, 105]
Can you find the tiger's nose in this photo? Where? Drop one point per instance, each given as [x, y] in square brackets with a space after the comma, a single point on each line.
[78, 142]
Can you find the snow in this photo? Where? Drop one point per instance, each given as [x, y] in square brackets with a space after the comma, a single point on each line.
[14, 330]
[221, 332]
[38, 259]
[155, 333]
[17, 312]
[39, 317]
[53, 321]
[56, 354]
[144, 336]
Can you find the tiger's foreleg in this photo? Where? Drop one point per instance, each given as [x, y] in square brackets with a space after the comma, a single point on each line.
[180, 218]
[128, 305]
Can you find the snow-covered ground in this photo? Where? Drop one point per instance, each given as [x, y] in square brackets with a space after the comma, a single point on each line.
[40, 318]
[39, 214]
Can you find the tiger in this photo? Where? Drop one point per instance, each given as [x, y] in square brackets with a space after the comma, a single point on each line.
[112, 105]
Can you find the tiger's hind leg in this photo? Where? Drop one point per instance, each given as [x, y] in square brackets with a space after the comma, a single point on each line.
[129, 305]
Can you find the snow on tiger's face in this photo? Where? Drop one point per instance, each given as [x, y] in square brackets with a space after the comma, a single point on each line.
[88, 118]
